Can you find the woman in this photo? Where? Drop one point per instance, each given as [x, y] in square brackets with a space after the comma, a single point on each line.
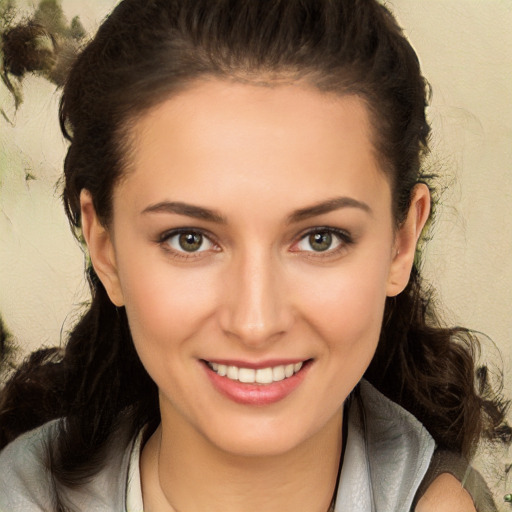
[247, 178]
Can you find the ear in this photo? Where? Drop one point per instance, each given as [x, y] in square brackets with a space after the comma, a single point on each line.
[101, 249]
[406, 239]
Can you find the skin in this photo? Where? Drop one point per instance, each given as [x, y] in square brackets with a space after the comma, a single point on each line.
[258, 159]
[446, 494]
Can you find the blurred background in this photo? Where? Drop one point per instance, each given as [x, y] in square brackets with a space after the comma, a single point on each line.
[465, 49]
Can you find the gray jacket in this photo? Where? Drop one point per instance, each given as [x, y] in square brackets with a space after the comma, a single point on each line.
[388, 453]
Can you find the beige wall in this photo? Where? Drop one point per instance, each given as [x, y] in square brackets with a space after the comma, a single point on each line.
[466, 53]
[41, 266]
[465, 48]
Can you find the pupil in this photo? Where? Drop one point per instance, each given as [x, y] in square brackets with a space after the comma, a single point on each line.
[190, 242]
[320, 241]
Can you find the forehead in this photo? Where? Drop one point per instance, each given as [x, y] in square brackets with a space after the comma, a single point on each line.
[221, 137]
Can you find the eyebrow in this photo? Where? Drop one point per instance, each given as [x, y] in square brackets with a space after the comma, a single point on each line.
[189, 210]
[198, 212]
[326, 207]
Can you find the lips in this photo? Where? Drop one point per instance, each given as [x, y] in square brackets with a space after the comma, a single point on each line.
[264, 384]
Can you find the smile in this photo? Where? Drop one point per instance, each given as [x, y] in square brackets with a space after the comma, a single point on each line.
[256, 376]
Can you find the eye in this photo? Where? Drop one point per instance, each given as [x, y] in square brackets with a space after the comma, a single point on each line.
[318, 242]
[188, 241]
[323, 240]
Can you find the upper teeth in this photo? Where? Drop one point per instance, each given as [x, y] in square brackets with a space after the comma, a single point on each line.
[259, 376]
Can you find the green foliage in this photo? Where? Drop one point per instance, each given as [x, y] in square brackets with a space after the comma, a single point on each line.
[7, 12]
[45, 45]
[50, 15]
[77, 30]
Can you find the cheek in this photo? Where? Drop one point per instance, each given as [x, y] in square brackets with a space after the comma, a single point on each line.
[165, 311]
[348, 319]
[348, 304]
[165, 304]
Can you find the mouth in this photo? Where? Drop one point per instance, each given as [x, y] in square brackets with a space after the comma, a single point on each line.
[262, 376]
[257, 384]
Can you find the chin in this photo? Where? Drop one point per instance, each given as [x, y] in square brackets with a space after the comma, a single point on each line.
[257, 444]
[270, 437]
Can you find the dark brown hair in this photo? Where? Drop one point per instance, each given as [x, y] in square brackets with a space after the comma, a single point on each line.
[147, 50]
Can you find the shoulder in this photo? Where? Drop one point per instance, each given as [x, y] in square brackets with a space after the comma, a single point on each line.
[24, 477]
[442, 485]
[407, 465]
[445, 494]
[27, 484]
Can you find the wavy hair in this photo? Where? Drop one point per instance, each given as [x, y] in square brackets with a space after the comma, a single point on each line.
[145, 52]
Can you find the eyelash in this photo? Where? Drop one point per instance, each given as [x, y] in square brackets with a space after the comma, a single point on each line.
[344, 240]
[164, 241]
[343, 237]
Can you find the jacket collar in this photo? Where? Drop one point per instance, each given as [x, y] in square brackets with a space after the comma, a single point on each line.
[387, 454]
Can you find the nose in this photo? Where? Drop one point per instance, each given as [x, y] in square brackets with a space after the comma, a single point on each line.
[255, 307]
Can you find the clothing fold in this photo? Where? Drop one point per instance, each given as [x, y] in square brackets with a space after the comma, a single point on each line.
[389, 461]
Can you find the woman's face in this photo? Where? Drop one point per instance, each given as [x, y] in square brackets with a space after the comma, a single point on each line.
[253, 236]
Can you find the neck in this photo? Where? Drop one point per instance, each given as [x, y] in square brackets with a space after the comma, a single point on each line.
[182, 471]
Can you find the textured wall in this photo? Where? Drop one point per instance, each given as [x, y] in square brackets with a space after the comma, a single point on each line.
[465, 48]
[41, 265]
